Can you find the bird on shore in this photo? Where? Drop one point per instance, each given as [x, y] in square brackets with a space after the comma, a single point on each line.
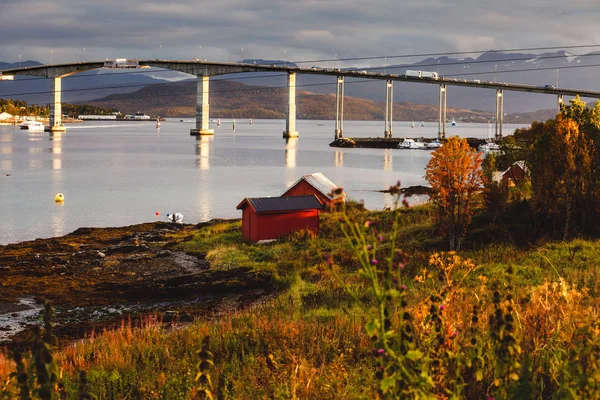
[175, 217]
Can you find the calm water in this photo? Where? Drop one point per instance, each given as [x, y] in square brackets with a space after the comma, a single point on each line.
[117, 174]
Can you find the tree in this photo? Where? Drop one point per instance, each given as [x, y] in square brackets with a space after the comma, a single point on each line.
[455, 175]
[562, 175]
[495, 194]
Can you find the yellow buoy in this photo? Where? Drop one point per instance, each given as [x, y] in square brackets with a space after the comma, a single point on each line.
[59, 198]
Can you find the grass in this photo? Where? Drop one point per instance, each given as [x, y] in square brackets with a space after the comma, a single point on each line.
[310, 341]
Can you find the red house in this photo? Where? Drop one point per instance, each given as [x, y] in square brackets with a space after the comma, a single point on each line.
[316, 184]
[516, 173]
[271, 217]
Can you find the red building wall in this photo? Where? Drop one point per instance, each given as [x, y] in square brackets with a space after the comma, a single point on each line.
[304, 189]
[264, 226]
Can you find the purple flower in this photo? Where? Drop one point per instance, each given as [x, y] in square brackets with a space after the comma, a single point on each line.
[453, 335]
[401, 266]
[368, 247]
[374, 261]
[403, 287]
[442, 307]
[381, 238]
[380, 352]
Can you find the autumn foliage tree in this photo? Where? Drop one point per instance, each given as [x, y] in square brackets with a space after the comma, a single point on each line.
[562, 177]
[455, 175]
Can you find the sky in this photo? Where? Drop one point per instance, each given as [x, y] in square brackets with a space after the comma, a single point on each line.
[299, 30]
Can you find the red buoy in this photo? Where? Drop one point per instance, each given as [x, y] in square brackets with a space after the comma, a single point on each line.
[157, 213]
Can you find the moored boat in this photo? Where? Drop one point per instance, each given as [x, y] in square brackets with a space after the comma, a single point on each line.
[411, 144]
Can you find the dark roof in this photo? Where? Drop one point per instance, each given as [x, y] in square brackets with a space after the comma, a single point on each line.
[276, 204]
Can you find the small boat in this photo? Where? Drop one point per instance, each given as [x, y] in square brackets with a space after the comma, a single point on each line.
[175, 217]
[411, 144]
[453, 123]
[33, 126]
[489, 146]
[433, 145]
[422, 123]
[250, 121]
[413, 124]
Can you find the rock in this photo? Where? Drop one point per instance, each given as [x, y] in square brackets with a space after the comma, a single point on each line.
[128, 248]
[164, 253]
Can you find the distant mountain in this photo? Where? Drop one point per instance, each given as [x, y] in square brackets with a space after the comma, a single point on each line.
[79, 87]
[4, 65]
[235, 99]
[574, 71]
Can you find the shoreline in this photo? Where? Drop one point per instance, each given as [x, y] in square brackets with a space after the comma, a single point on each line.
[390, 143]
[96, 277]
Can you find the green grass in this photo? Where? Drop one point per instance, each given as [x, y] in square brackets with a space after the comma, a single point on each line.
[310, 340]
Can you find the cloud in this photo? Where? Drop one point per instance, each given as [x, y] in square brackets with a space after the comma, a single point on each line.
[302, 29]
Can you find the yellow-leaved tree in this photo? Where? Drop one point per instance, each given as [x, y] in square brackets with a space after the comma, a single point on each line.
[455, 175]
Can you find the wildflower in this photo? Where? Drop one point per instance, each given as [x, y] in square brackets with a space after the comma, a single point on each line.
[381, 352]
[403, 287]
[401, 266]
[367, 224]
[453, 335]
[442, 307]
[368, 247]
[374, 261]
[380, 238]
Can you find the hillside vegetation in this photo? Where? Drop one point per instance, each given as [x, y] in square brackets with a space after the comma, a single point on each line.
[234, 99]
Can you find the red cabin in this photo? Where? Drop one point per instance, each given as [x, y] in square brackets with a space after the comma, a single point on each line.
[516, 173]
[271, 217]
[316, 184]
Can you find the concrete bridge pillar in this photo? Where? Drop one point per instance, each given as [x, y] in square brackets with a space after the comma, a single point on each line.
[290, 121]
[202, 107]
[389, 106]
[339, 108]
[560, 102]
[442, 116]
[499, 112]
[55, 107]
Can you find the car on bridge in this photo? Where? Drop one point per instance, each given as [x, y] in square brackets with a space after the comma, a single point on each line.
[548, 87]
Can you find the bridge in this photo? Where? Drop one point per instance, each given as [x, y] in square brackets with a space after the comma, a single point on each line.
[203, 70]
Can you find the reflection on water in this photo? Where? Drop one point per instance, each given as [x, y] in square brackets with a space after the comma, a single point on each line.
[58, 219]
[203, 151]
[290, 152]
[6, 165]
[36, 164]
[388, 201]
[387, 160]
[56, 149]
[120, 174]
[338, 158]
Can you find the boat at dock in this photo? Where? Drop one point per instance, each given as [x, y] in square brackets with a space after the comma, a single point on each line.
[411, 144]
[435, 144]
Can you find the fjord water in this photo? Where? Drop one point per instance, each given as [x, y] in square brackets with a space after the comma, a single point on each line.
[121, 173]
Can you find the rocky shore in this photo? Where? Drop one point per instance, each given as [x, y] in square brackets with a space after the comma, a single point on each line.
[96, 277]
[387, 143]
